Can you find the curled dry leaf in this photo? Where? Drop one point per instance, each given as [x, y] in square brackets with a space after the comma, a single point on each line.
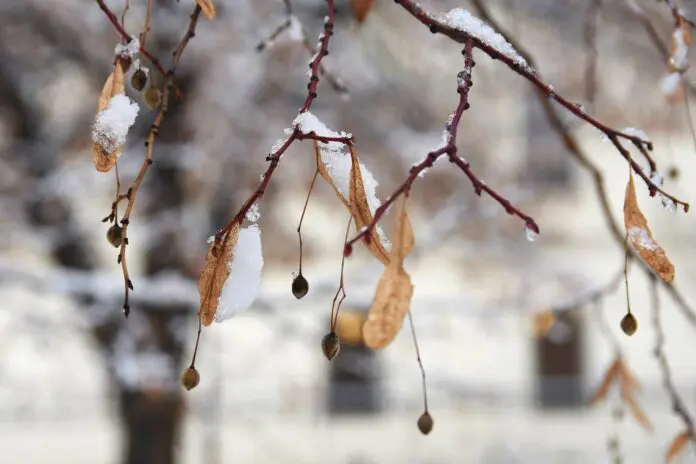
[637, 413]
[360, 209]
[215, 274]
[113, 86]
[361, 8]
[609, 376]
[207, 7]
[677, 446]
[394, 290]
[357, 203]
[641, 237]
[543, 322]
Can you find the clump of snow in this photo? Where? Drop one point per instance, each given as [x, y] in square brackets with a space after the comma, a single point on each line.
[640, 238]
[111, 125]
[253, 214]
[680, 51]
[669, 204]
[338, 164]
[461, 19]
[636, 133]
[669, 85]
[295, 31]
[244, 282]
[129, 50]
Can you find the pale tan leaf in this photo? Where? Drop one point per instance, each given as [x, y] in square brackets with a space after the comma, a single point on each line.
[404, 240]
[114, 85]
[638, 413]
[215, 274]
[207, 7]
[626, 379]
[607, 380]
[360, 209]
[361, 8]
[677, 446]
[543, 322]
[389, 307]
[641, 237]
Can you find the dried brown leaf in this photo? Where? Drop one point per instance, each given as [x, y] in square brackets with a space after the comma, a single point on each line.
[638, 413]
[360, 209]
[677, 446]
[641, 237]
[361, 8]
[207, 7]
[114, 85]
[607, 380]
[404, 240]
[542, 323]
[626, 379]
[215, 274]
[389, 307]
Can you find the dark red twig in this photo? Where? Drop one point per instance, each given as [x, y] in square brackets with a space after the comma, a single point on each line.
[275, 156]
[449, 149]
[532, 76]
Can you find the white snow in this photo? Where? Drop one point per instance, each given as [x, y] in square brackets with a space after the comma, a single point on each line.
[295, 31]
[635, 133]
[669, 85]
[681, 50]
[461, 19]
[253, 214]
[129, 50]
[338, 164]
[640, 238]
[244, 282]
[111, 125]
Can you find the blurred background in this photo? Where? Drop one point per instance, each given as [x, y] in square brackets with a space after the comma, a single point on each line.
[80, 384]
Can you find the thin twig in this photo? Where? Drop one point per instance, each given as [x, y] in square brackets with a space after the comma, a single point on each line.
[420, 361]
[575, 150]
[335, 308]
[304, 210]
[533, 77]
[464, 83]
[146, 27]
[152, 135]
[590, 36]
[677, 403]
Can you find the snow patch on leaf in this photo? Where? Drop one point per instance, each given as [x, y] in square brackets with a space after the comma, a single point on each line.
[111, 125]
[244, 282]
[640, 238]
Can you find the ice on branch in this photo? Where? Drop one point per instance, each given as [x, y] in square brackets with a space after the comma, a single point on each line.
[295, 31]
[667, 202]
[464, 21]
[680, 49]
[128, 50]
[338, 164]
[112, 124]
[244, 282]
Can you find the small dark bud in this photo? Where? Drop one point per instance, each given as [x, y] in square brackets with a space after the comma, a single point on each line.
[115, 235]
[433, 28]
[330, 345]
[425, 423]
[673, 172]
[348, 250]
[190, 378]
[139, 80]
[629, 324]
[153, 97]
[300, 286]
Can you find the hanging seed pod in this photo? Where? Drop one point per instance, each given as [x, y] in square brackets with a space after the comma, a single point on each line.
[153, 97]
[190, 378]
[425, 423]
[629, 324]
[115, 235]
[330, 345]
[139, 80]
[300, 286]
[673, 172]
